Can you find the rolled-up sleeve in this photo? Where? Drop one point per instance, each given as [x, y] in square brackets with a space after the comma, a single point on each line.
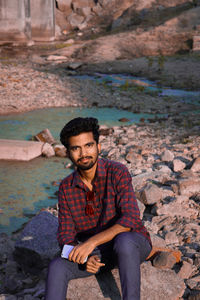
[66, 229]
[126, 201]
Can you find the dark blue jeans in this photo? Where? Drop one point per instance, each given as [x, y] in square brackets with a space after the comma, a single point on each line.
[127, 251]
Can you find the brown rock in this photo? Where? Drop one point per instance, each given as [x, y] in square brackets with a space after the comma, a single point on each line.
[60, 150]
[45, 136]
[164, 260]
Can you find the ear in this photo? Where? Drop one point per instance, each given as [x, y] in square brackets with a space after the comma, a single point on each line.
[99, 147]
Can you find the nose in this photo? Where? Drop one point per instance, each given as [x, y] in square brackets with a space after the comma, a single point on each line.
[83, 152]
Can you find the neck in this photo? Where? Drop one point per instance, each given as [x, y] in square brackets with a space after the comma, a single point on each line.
[87, 176]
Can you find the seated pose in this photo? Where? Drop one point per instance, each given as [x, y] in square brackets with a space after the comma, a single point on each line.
[98, 215]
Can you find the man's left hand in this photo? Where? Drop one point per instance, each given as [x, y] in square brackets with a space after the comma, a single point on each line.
[81, 252]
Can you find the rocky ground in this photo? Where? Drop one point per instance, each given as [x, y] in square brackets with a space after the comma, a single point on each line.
[162, 156]
[165, 168]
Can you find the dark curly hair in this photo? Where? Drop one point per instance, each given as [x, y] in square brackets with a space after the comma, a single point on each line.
[77, 126]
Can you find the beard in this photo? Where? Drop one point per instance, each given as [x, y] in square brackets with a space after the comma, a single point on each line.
[87, 165]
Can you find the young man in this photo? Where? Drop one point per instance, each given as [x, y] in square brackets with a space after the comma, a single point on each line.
[98, 213]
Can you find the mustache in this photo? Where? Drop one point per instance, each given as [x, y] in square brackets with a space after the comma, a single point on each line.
[85, 157]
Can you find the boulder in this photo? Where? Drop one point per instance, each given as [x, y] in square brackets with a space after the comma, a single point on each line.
[75, 20]
[189, 186]
[48, 150]
[65, 6]
[164, 260]
[150, 194]
[37, 243]
[167, 155]
[166, 285]
[60, 150]
[19, 150]
[179, 207]
[45, 136]
[196, 165]
[185, 270]
[178, 165]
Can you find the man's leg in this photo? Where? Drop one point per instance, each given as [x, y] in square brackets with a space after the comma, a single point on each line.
[59, 273]
[131, 249]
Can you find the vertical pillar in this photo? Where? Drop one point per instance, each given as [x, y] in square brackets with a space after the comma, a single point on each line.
[15, 20]
[42, 20]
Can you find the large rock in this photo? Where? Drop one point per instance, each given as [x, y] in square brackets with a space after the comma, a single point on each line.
[189, 186]
[19, 150]
[179, 207]
[37, 243]
[196, 165]
[150, 194]
[155, 284]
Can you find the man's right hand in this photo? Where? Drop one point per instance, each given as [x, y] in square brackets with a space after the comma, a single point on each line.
[93, 264]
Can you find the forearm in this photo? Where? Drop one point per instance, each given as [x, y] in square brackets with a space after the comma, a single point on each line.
[107, 235]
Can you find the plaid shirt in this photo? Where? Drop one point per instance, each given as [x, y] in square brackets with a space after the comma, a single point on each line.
[114, 203]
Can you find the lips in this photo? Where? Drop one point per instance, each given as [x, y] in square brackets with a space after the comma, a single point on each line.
[85, 159]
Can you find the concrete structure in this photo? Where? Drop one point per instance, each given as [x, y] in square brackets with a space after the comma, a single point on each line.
[42, 20]
[19, 150]
[15, 20]
[25, 20]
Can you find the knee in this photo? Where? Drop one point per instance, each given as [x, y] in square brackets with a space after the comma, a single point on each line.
[56, 264]
[124, 244]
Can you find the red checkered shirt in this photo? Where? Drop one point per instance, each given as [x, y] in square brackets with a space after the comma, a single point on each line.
[114, 203]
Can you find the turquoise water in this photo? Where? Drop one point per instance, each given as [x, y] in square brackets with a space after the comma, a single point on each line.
[117, 80]
[26, 187]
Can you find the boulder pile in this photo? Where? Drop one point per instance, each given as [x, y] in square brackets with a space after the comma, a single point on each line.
[165, 174]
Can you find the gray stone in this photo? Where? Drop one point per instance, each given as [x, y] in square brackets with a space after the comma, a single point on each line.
[150, 194]
[37, 242]
[167, 155]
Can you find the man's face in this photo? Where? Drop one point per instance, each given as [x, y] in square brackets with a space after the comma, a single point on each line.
[83, 150]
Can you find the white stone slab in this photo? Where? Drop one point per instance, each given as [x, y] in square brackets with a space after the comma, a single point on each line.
[19, 150]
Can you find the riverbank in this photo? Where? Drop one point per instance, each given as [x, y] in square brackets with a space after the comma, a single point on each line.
[33, 83]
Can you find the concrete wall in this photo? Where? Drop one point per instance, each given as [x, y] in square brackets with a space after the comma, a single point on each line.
[15, 20]
[42, 20]
[23, 20]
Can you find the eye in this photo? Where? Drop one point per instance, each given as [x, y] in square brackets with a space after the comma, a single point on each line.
[89, 145]
[74, 148]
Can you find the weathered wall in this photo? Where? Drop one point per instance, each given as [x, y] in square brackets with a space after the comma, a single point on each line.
[15, 20]
[42, 20]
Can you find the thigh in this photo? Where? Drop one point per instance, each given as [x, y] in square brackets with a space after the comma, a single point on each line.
[128, 242]
[67, 268]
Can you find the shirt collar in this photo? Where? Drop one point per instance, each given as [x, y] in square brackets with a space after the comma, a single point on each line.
[101, 172]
